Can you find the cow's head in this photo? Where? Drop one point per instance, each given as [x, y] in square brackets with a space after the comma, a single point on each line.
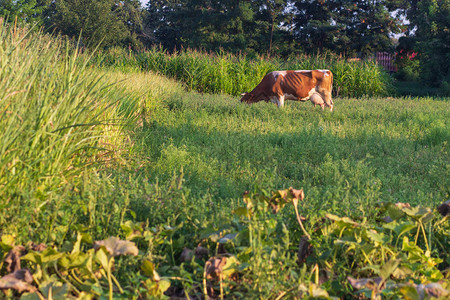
[330, 105]
[328, 101]
[248, 98]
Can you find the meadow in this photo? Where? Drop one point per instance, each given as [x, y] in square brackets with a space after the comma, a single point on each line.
[197, 187]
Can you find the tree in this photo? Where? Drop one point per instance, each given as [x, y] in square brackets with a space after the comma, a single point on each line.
[232, 25]
[432, 37]
[274, 20]
[350, 27]
[25, 11]
[131, 14]
[105, 22]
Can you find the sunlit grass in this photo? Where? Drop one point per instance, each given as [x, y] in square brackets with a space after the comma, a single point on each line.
[366, 151]
[61, 121]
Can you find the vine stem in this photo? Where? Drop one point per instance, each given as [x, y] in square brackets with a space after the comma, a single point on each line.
[205, 291]
[110, 280]
[295, 202]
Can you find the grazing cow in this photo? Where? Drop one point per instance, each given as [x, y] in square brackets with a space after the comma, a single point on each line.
[301, 85]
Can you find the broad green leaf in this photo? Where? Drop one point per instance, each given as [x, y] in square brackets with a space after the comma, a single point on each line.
[411, 247]
[388, 268]
[7, 242]
[50, 255]
[156, 288]
[78, 260]
[179, 243]
[132, 230]
[394, 211]
[402, 272]
[86, 238]
[242, 212]
[34, 257]
[409, 293]
[102, 257]
[230, 266]
[163, 285]
[30, 296]
[58, 290]
[344, 220]
[77, 245]
[242, 237]
[379, 238]
[417, 212]
[148, 268]
[227, 238]
[400, 228]
[415, 253]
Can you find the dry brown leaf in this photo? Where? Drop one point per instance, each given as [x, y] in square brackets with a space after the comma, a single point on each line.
[201, 252]
[369, 283]
[435, 290]
[305, 249]
[186, 255]
[444, 208]
[387, 219]
[220, 267]
[36, 247]
[116, 246]
[19, 280]
[297, 194]
[13, 259]
[214, 267]
[402, 205]
[39, 248]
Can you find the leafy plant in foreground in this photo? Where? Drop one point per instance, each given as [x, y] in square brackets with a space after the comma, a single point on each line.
[251, 252]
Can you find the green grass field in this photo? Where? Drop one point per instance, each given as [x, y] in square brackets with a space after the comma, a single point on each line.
[88, 153]
[368, 150]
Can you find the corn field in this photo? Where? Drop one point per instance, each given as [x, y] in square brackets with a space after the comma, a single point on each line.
[223, 73]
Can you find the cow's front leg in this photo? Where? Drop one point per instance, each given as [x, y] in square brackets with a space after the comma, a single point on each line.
[278, 100]
[281, 100]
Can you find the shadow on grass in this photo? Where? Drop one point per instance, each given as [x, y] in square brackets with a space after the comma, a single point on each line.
[417, 89]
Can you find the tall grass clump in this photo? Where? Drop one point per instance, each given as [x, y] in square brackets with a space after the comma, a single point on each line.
[51, 117]
[223, 73]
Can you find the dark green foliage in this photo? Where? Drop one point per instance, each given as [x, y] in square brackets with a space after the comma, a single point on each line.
[249, 26]
[349, 27]
[105, 22]
[26, 11]
[427, 35]
[433, 40]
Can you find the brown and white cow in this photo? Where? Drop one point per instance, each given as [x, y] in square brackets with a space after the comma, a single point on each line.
[300, 85]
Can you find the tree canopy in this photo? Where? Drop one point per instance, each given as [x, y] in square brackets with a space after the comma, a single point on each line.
[268, 27]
